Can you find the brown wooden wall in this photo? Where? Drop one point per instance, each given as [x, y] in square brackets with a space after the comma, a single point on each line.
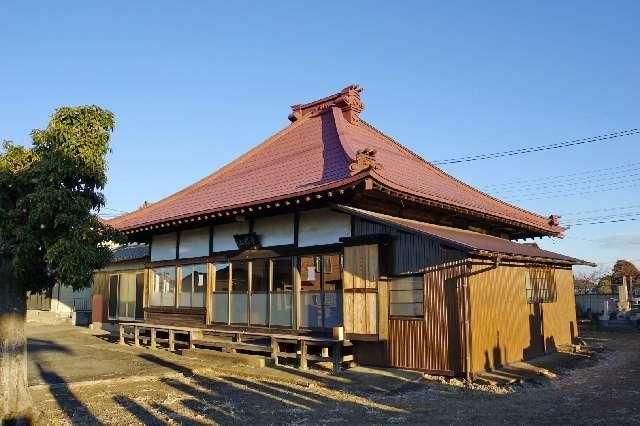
[434, 342]
[504, 327]
[100, 297]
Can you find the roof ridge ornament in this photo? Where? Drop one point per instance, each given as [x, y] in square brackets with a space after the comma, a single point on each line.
[348, 100]
[554, 220]
[365, 160]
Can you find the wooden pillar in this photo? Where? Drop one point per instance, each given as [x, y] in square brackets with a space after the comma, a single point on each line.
[192, 338]
[152, 341]
[275, 348]
[172, 340]
[303, 355]
[337, 357]
[136, 335]
[324, 351]
[296, 294]
[121, 334]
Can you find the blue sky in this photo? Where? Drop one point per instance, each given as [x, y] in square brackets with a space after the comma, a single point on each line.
[195, 84]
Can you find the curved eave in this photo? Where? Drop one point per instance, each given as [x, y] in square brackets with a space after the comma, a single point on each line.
[330, 191]
[386, 185]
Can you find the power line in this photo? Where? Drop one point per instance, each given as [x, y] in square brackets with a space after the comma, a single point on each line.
[600, 210]
[629, 219]
[527, 150]
[601, 179]
[589, 172]
[572, 194]
[597, 218]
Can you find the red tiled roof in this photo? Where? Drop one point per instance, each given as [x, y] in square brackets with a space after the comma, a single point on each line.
[464, 239]
[314, 153]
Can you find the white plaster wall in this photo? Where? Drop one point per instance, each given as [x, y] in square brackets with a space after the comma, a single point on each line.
[194, 243]
[223, 235]
[275, 230]
[163, 247]
[322, 226]
[62, 299]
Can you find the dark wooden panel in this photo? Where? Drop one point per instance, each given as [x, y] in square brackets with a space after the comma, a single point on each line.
[100, 297]
[371, 353]
[409, 253]
[181, 319]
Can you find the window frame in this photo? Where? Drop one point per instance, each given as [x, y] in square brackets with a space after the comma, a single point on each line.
[390, 290]
[191, 267]
[319, 264]
[177, 279]
[536, 293]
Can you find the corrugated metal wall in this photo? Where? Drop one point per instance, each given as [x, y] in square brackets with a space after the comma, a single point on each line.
[434, 342]
[504, 327]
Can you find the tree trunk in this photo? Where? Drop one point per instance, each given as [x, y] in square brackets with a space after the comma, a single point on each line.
[16, 405]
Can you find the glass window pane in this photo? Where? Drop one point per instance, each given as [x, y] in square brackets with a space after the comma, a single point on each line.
[311, 309]
[310, 273]
[239, 314]
[163, 287]
[406, 296]
[332, 272]
[240, 277]
[407, 283]
[199, 285]
[332, 309]
[259, 276]
[221, 308]
[406, 309]
[281, 309]
[222, 276]
[168, 286]
[260, 308]
[139, 295]
[282, 275]
[187, 286]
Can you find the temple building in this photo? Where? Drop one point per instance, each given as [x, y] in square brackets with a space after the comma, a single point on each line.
[332, 228]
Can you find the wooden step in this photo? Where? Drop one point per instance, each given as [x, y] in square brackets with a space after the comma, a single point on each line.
[255, 361]
[228, 345]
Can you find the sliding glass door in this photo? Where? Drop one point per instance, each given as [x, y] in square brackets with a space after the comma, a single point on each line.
[321, 291]
[125, 296]
[257, 292]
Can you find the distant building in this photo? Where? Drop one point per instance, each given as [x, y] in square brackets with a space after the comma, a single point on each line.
[331, 223]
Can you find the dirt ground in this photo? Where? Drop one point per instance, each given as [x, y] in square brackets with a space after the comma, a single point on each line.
[80, 378]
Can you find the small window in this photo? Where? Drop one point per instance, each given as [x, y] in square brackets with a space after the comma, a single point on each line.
[540, 285]
[406, 296]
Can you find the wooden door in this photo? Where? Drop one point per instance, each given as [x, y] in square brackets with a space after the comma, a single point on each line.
[363, 303]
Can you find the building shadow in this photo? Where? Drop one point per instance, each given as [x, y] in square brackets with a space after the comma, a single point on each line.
[217, 397]
[536, 334]
[74, 409]
[145, 416]
[41, 345]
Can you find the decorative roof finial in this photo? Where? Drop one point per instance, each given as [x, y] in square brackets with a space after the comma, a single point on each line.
[348, 100]
[365, 160]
